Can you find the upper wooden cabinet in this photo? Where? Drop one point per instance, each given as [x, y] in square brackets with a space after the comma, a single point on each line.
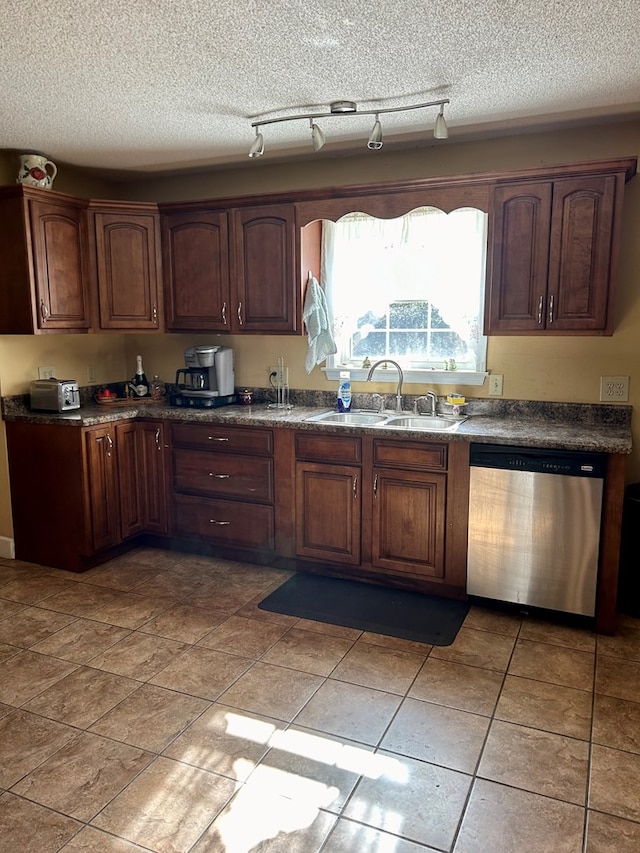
[553, 249]
[127, 265]
[44, 267]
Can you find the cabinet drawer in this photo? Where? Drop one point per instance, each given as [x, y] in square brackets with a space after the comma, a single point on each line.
[223, 475]
[229, 439]
[242, 525]
[412, 455]
[329, 448]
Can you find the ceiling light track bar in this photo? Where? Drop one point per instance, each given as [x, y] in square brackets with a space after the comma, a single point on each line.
[350, 112]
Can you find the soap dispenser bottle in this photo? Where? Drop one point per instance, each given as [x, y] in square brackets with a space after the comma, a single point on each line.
[344, 392]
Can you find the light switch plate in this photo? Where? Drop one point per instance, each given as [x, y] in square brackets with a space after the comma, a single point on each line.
[614, 389]
[46, 372]
[496, 382]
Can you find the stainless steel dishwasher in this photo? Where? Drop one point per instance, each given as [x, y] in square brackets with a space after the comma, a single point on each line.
[534, 526]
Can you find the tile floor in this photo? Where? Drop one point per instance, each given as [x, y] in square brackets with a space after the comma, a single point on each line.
[150, 705]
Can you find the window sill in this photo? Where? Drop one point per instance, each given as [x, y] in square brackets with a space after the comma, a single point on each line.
[422, 377]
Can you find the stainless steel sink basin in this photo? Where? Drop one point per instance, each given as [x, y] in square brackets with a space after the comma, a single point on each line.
[349, 418]
[423, 422]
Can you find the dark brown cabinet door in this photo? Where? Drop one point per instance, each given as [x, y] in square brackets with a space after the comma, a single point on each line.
[153, 483]
[102, 487]
[265, 292]
[408, 532]
[520, 222]
[580, 258]
[128, 269]
[131, 478]
[196, 271]
[328, 512]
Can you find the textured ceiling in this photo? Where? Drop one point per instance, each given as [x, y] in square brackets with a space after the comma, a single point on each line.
[160, 85]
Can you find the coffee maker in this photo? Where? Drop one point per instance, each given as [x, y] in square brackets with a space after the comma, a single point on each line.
[207, 380]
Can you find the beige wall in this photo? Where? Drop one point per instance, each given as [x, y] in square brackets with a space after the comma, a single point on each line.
[534, 368]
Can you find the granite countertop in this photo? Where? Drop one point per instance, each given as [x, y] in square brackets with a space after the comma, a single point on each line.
[569, 426]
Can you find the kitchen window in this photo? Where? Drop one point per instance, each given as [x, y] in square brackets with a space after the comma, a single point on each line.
[410, 289]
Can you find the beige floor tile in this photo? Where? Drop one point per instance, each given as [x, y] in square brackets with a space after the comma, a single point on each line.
[351, 837]
[625, 644]
[167, 585]
[258, 821]
[251, 610]
[456, 685]
[615, 782]
[184, 623]
[306, 651]
[82, 640]
[555, 664]
[157, 558]
[220, 595]
[7, 651]
[421, 802]
[34, 589]
[26, 826]
[556, 634]
[31, 625]
[167, 807]
[272, 690]
[202, 672]
[82, 599]
[313, 768]
[226, 741]
[477, 648]
[4, 710]
[607, 834]
[122, 576]
[541, 705]
[26, 740]
[397, 643]
[128, 609]
[507, 820]
[150, 718]
[241, 636]
[26, 674]
[379, 667]
[440, 735]
[350, 711]
[616, 677]
[90, 840]
[495, 621]
[139, 655]
[83, 776]
[82, 697]
[8, 608]
[328, 628]
[616, 723]
[540, 762]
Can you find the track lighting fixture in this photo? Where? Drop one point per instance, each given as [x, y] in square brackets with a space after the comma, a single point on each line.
[349, 108]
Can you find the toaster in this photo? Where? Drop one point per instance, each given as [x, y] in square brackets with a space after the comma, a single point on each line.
[54, 395]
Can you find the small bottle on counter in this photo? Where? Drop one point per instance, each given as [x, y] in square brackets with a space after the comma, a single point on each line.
[158, 389]
[139, 383]
[344, 392]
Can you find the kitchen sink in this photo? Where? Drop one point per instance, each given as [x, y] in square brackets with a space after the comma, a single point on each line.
[349, 418]
[373, 419]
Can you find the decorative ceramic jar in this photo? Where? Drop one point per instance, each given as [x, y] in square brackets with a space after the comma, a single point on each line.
[33, 171]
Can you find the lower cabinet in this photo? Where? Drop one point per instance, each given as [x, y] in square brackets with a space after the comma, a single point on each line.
[223, 486]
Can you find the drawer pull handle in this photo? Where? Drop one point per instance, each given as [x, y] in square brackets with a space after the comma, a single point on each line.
[355, 486]
[224, 313]
[375, 486]
[220, 476]
[157, 437]
[154, 315]
[540, 308]
[219, 523]
[551, 308]
[215, 438]
[240, 313]
[44, 311]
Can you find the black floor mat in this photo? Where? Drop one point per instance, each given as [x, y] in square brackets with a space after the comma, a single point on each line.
[382, 610]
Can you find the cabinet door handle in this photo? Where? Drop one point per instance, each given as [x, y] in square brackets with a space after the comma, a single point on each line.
[220, 476]
[224, 313]
[355, 486]
[551, 308]
[240, 313]
[154, 314]
[109, 444]
[375, 486]
[157, 437]
[44, 311]
[219, 523]
[540, 309]
[215, 438]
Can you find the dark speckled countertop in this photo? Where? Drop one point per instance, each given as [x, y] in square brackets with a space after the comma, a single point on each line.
[569, 426]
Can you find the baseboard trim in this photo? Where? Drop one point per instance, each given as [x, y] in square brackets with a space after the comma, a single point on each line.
[7, 548]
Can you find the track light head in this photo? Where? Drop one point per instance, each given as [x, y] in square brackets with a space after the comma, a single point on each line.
[257, 149]
[375, 139]
[440, 130]
[317, 136]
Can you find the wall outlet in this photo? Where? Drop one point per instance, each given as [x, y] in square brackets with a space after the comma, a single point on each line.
[46, 372]
[614, 389]
[496, 381]
[91, 374]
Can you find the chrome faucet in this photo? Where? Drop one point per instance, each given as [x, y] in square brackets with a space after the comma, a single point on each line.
[431, 397]
[400, 379]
